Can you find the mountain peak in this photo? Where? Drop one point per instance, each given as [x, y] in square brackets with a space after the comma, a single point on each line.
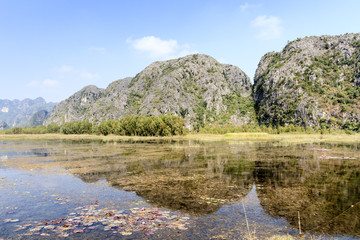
[196, 87]
[313, 80]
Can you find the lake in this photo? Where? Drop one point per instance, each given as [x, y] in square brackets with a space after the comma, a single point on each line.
[185, 189]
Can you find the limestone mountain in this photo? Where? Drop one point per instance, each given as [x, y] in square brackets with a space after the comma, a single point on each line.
[38, 118]
[313, 80]
[112, 104]
[75, 107]
[195, 87]
[3, 125]
[18, 113]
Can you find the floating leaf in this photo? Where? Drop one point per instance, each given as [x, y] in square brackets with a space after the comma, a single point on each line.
[36, 229]
[49, 227]
[124, 222]
[64, 235]
[148, 233]
[22, 227]
[11, 220]
[182, 228]
[107, 228]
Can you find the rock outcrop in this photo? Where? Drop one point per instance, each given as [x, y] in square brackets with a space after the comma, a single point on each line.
[75, 107]
[38, 118]
[3, 125]
[313, 80]
[195, 87]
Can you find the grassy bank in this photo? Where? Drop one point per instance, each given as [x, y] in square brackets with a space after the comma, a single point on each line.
[251, 136]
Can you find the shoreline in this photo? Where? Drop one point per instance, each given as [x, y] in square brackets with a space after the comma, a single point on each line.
[246, 136]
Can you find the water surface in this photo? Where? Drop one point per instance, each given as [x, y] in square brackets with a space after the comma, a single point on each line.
[178, 189]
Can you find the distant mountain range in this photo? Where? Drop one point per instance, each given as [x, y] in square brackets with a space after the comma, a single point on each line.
[313, 81]
[21, 113]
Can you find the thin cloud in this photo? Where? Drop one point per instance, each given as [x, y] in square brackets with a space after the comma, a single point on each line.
[247, 6]
[50, 83]
[33, 84]
[88, 76]
[157, 48]
[269, 27]
[222, 60]
[66, 72]
[154, 46]
[66, 68]
[47, 83]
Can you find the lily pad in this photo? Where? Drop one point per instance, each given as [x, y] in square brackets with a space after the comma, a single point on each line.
[124, 222]
[8, 220]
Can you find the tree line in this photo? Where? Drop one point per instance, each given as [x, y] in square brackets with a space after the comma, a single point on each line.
[137, 125]
[170, 125]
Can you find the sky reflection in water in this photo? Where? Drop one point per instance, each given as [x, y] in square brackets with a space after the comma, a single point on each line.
[197, 188]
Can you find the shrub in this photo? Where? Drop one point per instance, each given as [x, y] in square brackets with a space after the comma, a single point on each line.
[77, 127]
[16, 130]
[138, 125]
[53, 128]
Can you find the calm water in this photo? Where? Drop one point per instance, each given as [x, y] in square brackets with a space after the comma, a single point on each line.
[179, 189]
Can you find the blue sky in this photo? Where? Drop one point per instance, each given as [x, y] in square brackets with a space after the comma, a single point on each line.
[53, 48]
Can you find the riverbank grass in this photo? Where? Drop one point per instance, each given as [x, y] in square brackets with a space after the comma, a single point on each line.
[233, 137]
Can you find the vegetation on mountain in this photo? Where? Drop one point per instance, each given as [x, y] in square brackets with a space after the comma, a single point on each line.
[314, 81]
[73, 108]
[196, 88]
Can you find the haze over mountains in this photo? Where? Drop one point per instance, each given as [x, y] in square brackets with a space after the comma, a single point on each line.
[23, 113]
[312, 81]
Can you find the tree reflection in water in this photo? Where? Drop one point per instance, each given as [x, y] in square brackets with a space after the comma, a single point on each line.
[199, 177]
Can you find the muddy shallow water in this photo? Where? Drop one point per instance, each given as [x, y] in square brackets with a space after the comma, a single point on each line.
[178, 189]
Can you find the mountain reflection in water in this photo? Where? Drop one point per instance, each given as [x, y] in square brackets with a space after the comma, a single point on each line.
[199, 178]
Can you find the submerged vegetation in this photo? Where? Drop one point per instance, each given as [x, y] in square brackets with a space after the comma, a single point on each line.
[181, 184]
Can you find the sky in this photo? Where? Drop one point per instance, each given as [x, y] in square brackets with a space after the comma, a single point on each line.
[52, 49]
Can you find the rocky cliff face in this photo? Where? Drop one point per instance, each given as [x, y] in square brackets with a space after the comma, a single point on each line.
[18, 113]
[311, 81]
[3, 125]
[112, 104]
[75, 107]
[38, 118]
[195, 87]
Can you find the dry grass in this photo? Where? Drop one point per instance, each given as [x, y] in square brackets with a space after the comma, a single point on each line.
[247, 135]
[256, 136]
[281, 237]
